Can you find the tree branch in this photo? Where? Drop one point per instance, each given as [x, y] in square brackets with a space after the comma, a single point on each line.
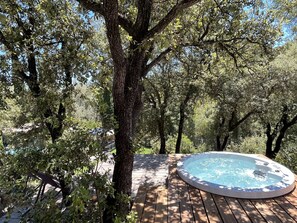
[143, 18]
[171, 15]
[241, 120]
[92, 6]
[5, 42]
[206, 30]
[156, 91]
[293, 121]
[231, 54]
[98, 8]
[126, 24]
[157, 59]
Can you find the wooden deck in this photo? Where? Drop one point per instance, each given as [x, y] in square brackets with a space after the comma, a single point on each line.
[180, 202]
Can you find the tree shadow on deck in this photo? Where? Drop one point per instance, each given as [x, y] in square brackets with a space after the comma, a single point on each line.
[150, 162]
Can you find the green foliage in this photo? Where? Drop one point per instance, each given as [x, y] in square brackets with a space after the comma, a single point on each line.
[103, 103]
[203, 121]
[288, 157]
[249, 144]
[130, 218]
[144, 150]
[187, 145]
[72, 155]
[9, 115]
[83, 104]
[217, 52]
[285, 11]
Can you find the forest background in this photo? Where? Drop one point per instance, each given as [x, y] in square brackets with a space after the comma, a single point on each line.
[183, 77]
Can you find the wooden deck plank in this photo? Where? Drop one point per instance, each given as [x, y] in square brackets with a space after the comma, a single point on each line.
[237, 210]
[173, 193]
[139, 201]
[265, 211]
[197, 205]
[279, 212]
[292, 199]
[210, 207]
[251, 211]
[293, 195]
[173, 206]
[149, 206]
[161, 206]
[186, 212]
[295, 191]
[224, 209]
[287, 206]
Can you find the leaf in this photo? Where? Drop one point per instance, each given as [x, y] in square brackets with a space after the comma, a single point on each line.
[3, 18]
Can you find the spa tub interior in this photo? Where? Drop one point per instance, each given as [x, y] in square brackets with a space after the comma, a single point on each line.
[236, 175]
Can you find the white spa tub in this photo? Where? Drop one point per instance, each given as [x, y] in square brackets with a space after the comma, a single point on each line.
[236, 175]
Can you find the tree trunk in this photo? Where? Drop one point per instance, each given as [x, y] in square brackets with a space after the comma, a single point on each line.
[129, 68]
[224, 144]
[65, 189]
[269, 151]
[218, 143]
[286, 124]
[269, 141]
[182, 110]
[162, 136]
[281, 135]
[278, 143]
[122, 176]
[221, 146]
[232, 124]
[56, 126]
[180, 129]
[161, 128]
[127, 91]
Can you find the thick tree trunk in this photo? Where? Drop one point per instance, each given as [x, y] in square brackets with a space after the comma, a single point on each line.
[127, 91]
[122, 175]
[129, 68]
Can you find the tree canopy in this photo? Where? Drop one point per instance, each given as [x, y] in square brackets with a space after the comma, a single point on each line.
[210, 74]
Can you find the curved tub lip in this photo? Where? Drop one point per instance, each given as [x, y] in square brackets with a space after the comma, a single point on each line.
[286, 185]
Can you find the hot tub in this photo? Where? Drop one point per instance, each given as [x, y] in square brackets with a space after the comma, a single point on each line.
[236, 175]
